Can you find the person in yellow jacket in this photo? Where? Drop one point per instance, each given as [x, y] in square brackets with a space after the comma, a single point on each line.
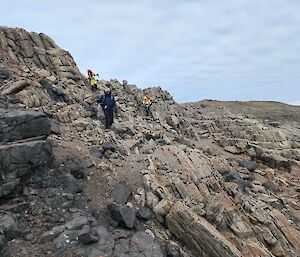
[147, 102]
[92, 79]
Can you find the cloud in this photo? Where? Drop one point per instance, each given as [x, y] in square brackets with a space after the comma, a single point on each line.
[234, 49]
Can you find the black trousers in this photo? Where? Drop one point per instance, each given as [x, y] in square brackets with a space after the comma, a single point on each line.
[109, 117]
[147, 109]
[94, 88]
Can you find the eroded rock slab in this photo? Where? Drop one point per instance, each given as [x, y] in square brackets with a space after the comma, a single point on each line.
[198, 233]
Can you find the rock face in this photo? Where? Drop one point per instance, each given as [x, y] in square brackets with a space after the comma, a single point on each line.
[18, 124]
[199, 233]
[17, 46]
[28, 153]
[199, 179]
[19, 160]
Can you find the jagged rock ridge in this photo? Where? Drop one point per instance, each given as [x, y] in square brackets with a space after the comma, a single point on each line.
[202, 180]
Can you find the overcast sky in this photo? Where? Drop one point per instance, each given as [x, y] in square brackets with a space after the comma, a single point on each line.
[195, 49]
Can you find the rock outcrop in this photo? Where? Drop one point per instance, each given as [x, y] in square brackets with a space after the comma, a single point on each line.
[197, 179]
[198, 233]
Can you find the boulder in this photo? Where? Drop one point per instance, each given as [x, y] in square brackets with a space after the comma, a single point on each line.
[109, 145]
[89, 237]
[144, 213]
[21, 124]
[96, 151]
[77, 223]
[121, 192]
[75, 166]
[24, 158]
[71, 184]
[103, 247]
[122, 214]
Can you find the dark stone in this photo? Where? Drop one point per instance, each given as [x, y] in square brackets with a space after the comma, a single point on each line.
[77, 223]
[107, 154]
[109, 145]
[21, 160]
[89, 237]
[104, 247]
[55, 93]
[9, 227]
[160, 219]
[55, 127]
[71, 184]
[172, 250]
[249, 165]
[230, 176]
[138, 226]
[65, 238]
[150, 136]
[162, 141]
[144, 213]
[121, 192]
[123, 214]
[145, 243]
[124, 131]
[4, 74]
[75, 166]
[21, 124]
[96, 151]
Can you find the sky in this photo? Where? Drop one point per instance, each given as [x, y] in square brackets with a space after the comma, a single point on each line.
[195, 49]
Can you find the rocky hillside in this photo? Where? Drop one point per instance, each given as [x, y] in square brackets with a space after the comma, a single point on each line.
[198, 179]
[269, 111]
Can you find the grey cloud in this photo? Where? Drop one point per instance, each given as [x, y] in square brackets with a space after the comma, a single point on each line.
[235, 49]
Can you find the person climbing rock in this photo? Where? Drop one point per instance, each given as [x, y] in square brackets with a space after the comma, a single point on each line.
[147, 104]
[92, 79]
[108, 105]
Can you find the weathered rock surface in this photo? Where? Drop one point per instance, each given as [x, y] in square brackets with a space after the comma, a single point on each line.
[218, 180]
[121, 192]
[199, 233]
[18, 124]
[122, 214]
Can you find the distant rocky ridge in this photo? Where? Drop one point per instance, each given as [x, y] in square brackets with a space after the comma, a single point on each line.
[200, 179]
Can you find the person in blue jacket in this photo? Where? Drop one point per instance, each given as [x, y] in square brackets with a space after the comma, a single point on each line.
[108, 105]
